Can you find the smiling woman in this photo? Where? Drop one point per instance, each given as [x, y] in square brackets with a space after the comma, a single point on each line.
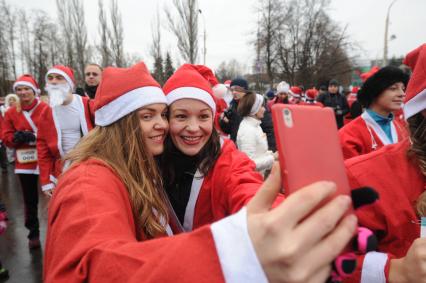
[206, 178]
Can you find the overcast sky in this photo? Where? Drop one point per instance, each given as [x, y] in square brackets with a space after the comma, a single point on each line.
[231, 24]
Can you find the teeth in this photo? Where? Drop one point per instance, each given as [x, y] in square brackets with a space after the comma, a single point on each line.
[191, 138]
[157, 138]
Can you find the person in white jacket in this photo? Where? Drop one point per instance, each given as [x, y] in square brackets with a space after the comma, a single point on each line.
[250, 138]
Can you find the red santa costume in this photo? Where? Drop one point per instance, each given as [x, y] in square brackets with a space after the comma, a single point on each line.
[399, 182]
[229, 184]
[24, 120]
[91, 234]
[25, 123]
[50, 138]
[364, 134]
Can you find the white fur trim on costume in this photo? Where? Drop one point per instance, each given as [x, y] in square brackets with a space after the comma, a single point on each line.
[415, 104]
[27, 171]
[62, 73]
[373, 268]
[191, 93]
[53, 179]
[256, 105]
[47, 187]
[28, 84]
[188, 220]
[379, 131]
[82, 114]
[235, 250]
[127, 103]
[58, 132]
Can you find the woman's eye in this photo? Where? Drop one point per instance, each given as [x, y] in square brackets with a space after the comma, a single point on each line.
[146, 116]
[205, 116]
[180, 116]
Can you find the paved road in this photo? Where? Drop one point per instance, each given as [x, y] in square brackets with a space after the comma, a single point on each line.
[24, 265]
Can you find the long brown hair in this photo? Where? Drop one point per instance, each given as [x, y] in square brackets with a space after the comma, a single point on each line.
[120, 146]
[246, 103]
[417, 126]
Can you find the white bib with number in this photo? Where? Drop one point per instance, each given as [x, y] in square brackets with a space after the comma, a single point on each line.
[28, 155]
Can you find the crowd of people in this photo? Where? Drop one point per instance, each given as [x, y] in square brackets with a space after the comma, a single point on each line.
[181, 182]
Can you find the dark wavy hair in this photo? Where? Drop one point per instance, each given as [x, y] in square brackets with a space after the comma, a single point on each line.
[417, 126]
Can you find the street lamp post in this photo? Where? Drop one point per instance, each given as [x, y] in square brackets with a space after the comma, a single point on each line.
[204, 37]
[385, 48]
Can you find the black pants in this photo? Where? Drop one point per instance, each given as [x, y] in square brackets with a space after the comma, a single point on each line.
[3, 157]
[29, 186]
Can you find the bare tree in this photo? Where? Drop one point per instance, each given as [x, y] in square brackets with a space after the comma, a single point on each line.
[269, 25]
[79, 36]
[10, 18]
[299, 42]
[229, 70]
[105, 34]
[117, 35]
[185, 28]
[155, 49]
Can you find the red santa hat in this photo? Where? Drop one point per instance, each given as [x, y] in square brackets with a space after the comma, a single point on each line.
[311, 93]
[367, 75]
[29, 81]
[227, 83]
[415, 99]
[64, 71]
[124, 90]
[191, 81]
[296, 91]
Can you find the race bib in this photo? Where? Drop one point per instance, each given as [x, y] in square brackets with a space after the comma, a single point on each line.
[28, 155]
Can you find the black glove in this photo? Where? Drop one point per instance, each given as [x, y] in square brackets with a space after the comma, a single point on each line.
[18, 137]
[29, 137]
[228, 114]
[364, 242]
[23, 137]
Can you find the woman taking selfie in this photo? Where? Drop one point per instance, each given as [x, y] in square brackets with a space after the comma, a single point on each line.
[108, 206]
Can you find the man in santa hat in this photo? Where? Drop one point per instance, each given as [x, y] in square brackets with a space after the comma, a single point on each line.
[68, 118]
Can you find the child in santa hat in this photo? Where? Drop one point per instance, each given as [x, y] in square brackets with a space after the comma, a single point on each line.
[382, 94]
[109, 203]
[398, 173]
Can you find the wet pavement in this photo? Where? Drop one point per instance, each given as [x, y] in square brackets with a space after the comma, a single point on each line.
[23, 265]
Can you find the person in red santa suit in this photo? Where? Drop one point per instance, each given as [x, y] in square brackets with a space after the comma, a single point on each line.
[20, 128]
[63, 124]
[296, 94]
[398, 173]
[206, 177]
[108, 218]
[381, 95]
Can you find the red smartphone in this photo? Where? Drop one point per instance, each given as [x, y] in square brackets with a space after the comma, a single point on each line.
[309, 147]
